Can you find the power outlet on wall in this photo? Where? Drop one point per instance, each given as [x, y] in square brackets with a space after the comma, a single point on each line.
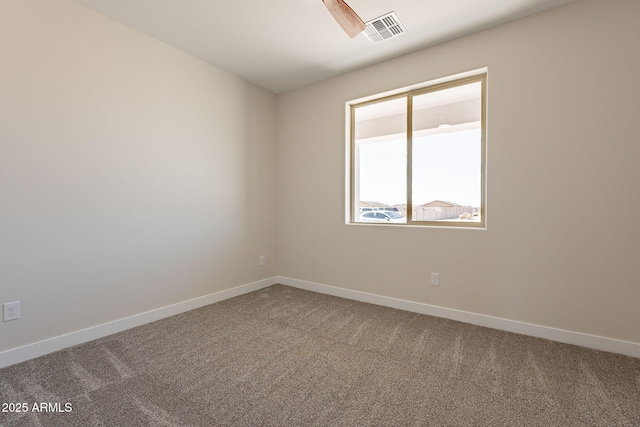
[11, 311]
[435, 279]
[262, 260]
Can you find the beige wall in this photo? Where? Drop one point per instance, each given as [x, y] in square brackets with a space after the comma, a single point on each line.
[132, 175]
[563, 129]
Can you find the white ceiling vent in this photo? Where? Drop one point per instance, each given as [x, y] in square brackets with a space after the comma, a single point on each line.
[383, 28]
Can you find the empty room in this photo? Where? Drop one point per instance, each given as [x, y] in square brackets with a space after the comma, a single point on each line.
[319, 213]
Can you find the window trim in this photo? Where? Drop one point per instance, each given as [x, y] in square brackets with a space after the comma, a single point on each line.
[410, 93]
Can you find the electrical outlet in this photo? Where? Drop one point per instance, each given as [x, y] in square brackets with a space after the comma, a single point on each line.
[262, 260]
[11, 311]
[435, 279]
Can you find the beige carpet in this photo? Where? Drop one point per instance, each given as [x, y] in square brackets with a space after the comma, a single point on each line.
[287, 357]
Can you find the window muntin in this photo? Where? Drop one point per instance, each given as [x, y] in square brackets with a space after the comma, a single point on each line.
[421, 154]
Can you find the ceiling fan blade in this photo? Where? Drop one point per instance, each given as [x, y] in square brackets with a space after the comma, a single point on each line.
[346, 17]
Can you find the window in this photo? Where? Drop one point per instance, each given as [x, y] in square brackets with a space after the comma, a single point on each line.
[418, 157]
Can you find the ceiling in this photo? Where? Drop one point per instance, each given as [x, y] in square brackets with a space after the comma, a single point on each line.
[285, 44]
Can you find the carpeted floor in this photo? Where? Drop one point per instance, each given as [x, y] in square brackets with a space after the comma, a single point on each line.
[286, 357]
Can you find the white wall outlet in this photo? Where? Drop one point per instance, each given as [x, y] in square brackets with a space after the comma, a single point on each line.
[11, 311]
[262, 260]
[435, 279]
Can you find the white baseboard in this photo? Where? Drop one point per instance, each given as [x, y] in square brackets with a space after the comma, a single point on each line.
[560, 335]
[40, 348]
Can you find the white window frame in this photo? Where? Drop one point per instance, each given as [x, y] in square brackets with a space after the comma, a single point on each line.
[352, 208]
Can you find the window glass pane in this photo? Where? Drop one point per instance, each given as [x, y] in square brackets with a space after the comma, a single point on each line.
[380, 160]
[447, 155]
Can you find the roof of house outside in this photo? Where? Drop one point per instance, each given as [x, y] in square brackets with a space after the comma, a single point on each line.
[440, 203]
[364, 204]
